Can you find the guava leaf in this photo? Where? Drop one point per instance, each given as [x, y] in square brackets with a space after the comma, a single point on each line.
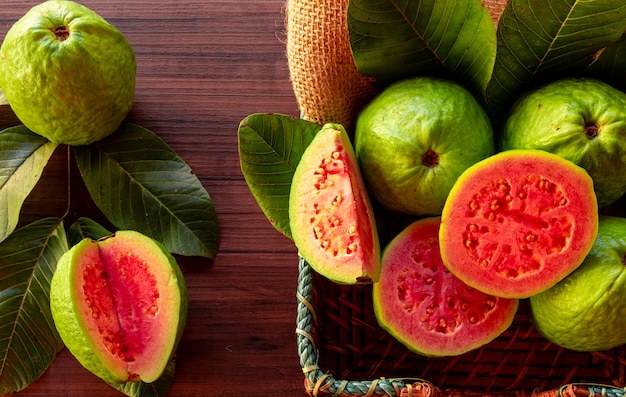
[29, 341]
[393, 39]
[24, 156]
[542, 40]
[86, 228]
[140, 183]
[158, 388]
[270, 148]
[610, 64]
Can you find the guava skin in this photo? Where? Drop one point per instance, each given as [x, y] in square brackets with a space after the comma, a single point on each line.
[580, 119]
[415, 138]
[67, 73]
[586, 310]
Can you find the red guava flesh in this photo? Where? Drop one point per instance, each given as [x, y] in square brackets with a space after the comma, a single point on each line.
[427, 308]
[120, 306]
[330, 214]
[518, 222]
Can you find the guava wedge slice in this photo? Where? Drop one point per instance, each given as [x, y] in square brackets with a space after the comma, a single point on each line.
[330, 214]
[518, 222]
[428, 309]
[120, 306]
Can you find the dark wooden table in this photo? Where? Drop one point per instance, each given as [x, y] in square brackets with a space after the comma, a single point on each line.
[202, 66]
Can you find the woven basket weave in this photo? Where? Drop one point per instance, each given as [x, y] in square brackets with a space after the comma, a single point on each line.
[343, 351]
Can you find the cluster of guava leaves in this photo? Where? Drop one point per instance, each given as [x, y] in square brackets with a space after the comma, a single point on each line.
[134, 177]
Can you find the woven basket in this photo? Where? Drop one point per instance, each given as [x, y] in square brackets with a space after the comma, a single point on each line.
[343, 351]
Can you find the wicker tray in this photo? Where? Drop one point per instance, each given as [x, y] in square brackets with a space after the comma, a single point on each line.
[343, 352]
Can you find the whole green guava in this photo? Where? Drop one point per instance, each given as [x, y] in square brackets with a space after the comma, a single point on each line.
[585, 311]
[415, 138]
[67, 73]
[580, 119]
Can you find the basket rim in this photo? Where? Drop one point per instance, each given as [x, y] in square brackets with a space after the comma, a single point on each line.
[317, 382]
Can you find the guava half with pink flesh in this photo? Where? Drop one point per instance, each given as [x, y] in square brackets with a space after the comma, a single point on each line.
[427, 308]
[330, 214]
[120, 306]
[518, 222]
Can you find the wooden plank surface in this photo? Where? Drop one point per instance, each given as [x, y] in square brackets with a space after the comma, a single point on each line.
[202, 66]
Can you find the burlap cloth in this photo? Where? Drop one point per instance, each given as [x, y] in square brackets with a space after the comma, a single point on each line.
[326, 83]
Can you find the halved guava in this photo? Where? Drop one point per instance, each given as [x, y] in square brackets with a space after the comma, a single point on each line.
[518, 222]
[427, 308]
[330, 214]
[120, 306]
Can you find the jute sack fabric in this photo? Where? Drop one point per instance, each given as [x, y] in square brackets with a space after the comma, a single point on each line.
[326, 83]
[325, 80]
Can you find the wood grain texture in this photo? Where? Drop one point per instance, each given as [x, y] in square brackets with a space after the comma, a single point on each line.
[202, 66]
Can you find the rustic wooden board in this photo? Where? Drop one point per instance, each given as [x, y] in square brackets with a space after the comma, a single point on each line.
[202, 66]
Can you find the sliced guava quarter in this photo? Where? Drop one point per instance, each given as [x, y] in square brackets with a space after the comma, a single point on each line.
[330, 214]
[428, 309]
[517, 222]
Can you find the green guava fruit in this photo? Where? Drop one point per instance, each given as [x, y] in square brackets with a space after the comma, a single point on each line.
[415, 138]
[518, 222]
[585, 311]
[330, 214]
[427, 308]
[580, 119]
[67, 73]
[120, 306]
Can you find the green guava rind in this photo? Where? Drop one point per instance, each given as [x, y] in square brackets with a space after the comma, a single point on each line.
[518, 241]
[72, 317]
[354, 215]
[74, 92]
[585, 311]
[406, 121]
[412, 263]
[553, 117]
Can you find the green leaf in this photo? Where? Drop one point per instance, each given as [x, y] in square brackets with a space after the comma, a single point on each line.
[270, 148]
[24, 156]
[29, 341]
[610, 64]
[542, 40]
[86, 228]
[140, 183]
[393, 39]
[158, 388]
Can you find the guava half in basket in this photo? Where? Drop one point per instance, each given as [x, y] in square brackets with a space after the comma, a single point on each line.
[330, 214]
[120, 306]
[427, 308]
[518, 222]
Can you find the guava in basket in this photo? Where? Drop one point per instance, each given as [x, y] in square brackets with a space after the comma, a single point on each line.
[518, 222]
[414, 140]
[580, 119]
[427, 308]
[586, 310]
[330, 215]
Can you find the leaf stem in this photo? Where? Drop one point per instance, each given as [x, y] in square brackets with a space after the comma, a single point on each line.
[69, 181]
